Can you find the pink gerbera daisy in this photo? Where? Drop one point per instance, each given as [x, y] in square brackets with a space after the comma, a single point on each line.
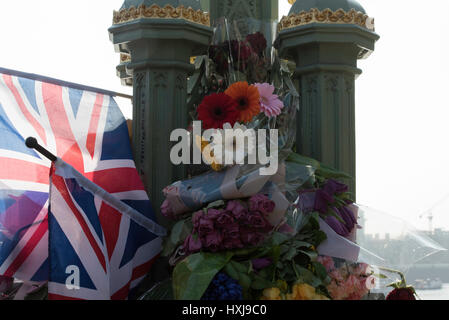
[270, 103]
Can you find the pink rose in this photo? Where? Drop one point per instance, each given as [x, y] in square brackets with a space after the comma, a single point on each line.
[224, 220]
[232, 231]
[196, 219]
[327, 262]
[213, 240]
[167, 210]
[261, 203]
[192, 244]
[337, 276]
[213, 214]
[255, 220]
[237, 209]
[205, 227]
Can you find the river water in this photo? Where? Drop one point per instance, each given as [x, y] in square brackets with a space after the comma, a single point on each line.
[440, 294]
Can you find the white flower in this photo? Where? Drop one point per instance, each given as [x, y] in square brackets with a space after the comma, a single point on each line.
[231, 145]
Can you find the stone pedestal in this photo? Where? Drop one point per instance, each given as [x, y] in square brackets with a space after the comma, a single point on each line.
[326, 44]
[160, 42]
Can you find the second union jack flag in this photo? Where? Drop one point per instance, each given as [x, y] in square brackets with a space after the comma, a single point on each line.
[85, 129]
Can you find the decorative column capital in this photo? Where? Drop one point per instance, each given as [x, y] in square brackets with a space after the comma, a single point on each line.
[157, 12]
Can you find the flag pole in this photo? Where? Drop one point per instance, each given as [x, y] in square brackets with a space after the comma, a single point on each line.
[33, 144]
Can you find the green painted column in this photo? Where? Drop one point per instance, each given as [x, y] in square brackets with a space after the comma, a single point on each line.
[326, 38]
[160, 42]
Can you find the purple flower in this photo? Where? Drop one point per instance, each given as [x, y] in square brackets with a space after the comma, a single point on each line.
[333, 186]
[258, 42]
[232, 243]
[322, 201]
[261, 203]
[206, 226]
[337, 226]
[259, 264]
[255, 220]
[213, 214]
[213, 240]
[224, 219]
[192, 244]
[348, 216]
[251, 237]
[306, 201]
[237, 209]
[232, 231]
[196, 219]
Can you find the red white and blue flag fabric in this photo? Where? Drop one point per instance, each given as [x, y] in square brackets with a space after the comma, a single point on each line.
[85, 129]
[100, 248]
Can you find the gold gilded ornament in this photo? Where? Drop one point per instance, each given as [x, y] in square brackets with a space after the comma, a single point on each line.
[328, 16]
[156, 12]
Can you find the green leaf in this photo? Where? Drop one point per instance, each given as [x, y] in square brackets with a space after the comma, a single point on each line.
[231, 271]
[292, 252]
[192, 276]
[279, 238]
[216, 204]
[308, 277]
[260, 283]
[301, 244]
[175, 236]
[311, 254]
[244, 281]
[331, 173]
[320, 270]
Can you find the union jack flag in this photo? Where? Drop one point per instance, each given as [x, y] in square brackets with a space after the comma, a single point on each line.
[100, 248]
[83, 128]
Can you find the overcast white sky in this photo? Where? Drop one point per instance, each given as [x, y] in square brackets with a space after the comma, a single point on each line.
[402, 96]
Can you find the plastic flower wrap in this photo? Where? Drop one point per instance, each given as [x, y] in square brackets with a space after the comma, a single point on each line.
[240, 234]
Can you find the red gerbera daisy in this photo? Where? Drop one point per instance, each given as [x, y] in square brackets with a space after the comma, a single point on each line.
[217, 109]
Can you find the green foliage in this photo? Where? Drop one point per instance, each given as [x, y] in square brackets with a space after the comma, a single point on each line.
[179, 232]
[192, 276]
[321, 170]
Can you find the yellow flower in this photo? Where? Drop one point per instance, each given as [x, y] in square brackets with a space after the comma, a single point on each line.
[208, 154]
[271, 294]
[305, 292]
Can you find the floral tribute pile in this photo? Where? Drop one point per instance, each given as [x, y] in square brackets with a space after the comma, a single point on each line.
[239, 235]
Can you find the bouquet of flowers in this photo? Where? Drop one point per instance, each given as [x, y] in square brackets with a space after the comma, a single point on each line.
[238, 233]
